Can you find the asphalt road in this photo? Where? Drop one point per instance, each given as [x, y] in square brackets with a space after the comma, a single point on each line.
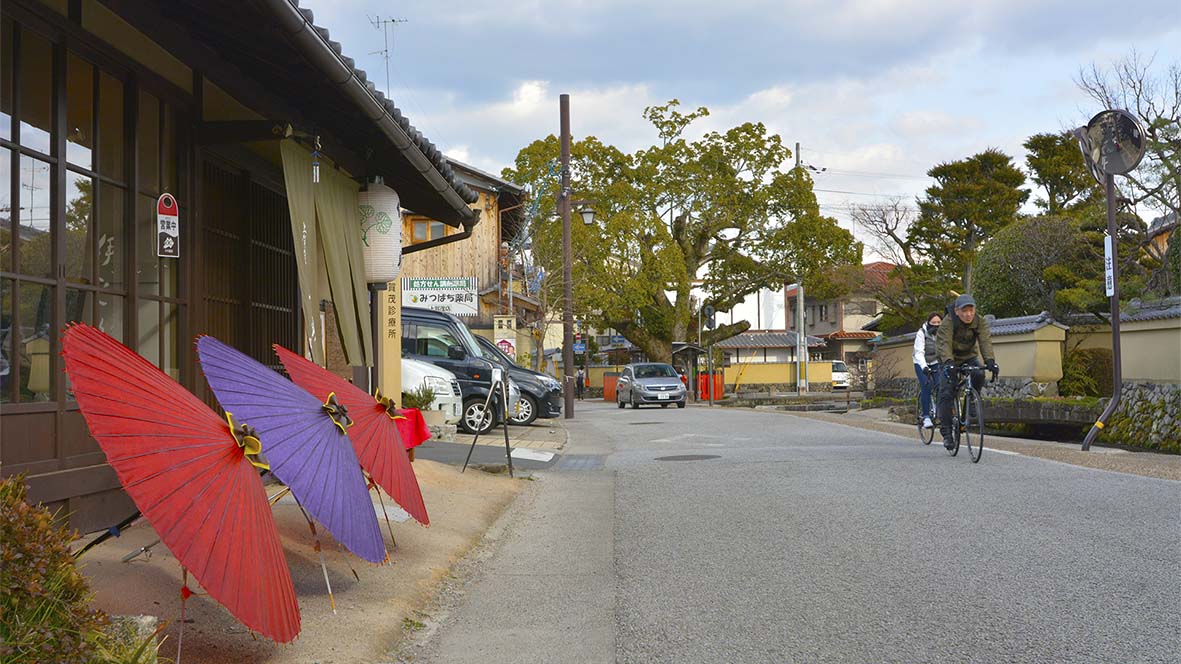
[806, 541]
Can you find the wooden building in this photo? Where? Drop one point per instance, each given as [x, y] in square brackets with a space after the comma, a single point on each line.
[263, 131]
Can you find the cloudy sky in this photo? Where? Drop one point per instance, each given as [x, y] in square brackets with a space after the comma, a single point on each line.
[876, 91]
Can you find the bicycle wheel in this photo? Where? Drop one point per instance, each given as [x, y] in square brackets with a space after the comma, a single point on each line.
[957, 422]
[925, 435]
[973, 424]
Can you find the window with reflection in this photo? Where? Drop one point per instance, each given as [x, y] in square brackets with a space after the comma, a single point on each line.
[97, 215]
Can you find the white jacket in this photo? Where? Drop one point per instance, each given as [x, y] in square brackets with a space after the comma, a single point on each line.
[920, 348]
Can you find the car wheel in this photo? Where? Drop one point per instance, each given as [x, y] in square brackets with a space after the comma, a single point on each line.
[680, 404]
[476, 418]
[526, 411]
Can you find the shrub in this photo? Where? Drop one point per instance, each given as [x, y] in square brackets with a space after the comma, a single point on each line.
[1086, 373]
[420, 398]
[44, 612]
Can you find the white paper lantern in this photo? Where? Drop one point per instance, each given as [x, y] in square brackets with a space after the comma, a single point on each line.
[381, 232]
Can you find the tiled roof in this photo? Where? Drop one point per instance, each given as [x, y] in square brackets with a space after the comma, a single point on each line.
[1162, 224]
[877, 274]
[1154, 310]
[421, 142]
[843, 334]
[767, 340]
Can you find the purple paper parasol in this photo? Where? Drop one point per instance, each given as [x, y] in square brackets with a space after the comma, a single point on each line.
[306, 447]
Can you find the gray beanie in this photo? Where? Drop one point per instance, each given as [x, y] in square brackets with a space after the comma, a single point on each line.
[964, 300]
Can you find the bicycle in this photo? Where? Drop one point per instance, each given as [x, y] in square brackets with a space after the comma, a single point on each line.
[927, 435]
[967, 419]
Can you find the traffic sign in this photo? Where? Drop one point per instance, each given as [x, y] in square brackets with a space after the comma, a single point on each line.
[579, 348]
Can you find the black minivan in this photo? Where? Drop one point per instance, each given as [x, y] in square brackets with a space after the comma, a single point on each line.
[443, 340]
[541, 394]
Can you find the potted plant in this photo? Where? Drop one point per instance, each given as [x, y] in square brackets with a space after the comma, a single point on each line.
[422, 398]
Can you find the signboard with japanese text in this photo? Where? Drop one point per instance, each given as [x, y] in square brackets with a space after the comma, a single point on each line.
[1108, 266]
[457, 296]
[167, 227]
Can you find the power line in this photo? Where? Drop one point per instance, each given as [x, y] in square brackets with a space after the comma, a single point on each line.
[868, 174]
[860, 193]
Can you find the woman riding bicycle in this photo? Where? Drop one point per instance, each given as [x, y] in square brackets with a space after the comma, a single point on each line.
[956, 344]
[926, 363]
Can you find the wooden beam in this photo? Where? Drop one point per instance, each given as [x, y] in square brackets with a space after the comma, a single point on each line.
[241, 131]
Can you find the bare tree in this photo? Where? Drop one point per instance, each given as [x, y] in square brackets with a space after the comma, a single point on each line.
[915, 286]
[888, 224]
[1131, 83]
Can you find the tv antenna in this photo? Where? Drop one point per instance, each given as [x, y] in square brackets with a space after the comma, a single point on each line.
[384, 24]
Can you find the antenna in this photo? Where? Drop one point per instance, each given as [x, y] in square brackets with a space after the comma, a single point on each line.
[384, 24]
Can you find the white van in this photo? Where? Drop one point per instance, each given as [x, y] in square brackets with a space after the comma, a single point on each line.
[840, 375]
[448, 397]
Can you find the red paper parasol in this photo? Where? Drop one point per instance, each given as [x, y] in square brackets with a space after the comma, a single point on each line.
[374, 433]
[189, 475]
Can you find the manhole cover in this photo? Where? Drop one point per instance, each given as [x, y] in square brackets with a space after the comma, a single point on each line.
[688, 457]
[639, 423]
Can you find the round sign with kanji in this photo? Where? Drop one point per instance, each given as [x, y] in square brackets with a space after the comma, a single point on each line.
[167, 227]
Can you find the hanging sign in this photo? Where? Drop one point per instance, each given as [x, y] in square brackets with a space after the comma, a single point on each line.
[1109, 266]
[167, 227]
[456, 295]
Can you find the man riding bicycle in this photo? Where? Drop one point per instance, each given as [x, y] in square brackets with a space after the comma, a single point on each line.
[956, 344]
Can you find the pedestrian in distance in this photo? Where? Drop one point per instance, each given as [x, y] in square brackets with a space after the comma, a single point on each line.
[579, 379]
[956, 344]
[926, 363]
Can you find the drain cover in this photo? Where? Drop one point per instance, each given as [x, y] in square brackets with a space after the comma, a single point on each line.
[688, 457]
[639, 423]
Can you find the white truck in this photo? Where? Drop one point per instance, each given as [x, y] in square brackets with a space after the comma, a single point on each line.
[448, 397]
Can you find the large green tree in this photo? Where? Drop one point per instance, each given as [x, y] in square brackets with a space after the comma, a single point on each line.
[971, 200]
[720, 208]
[1055, 164]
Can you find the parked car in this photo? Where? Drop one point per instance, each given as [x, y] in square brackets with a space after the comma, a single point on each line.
[444, 341]
[649, 382]
[840, 375]
[541, 394]
[448, 394]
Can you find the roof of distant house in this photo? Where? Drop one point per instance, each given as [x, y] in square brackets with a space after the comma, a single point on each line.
[767, 340]
[1163, 224]
[841, 335]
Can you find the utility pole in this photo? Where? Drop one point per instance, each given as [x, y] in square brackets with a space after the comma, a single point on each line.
[567, 265]
[801, 343]
[384, 24]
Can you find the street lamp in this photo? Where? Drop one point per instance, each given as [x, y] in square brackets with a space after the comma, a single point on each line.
[588, 214]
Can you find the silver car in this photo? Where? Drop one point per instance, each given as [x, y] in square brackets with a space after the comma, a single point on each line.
[649, 382]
